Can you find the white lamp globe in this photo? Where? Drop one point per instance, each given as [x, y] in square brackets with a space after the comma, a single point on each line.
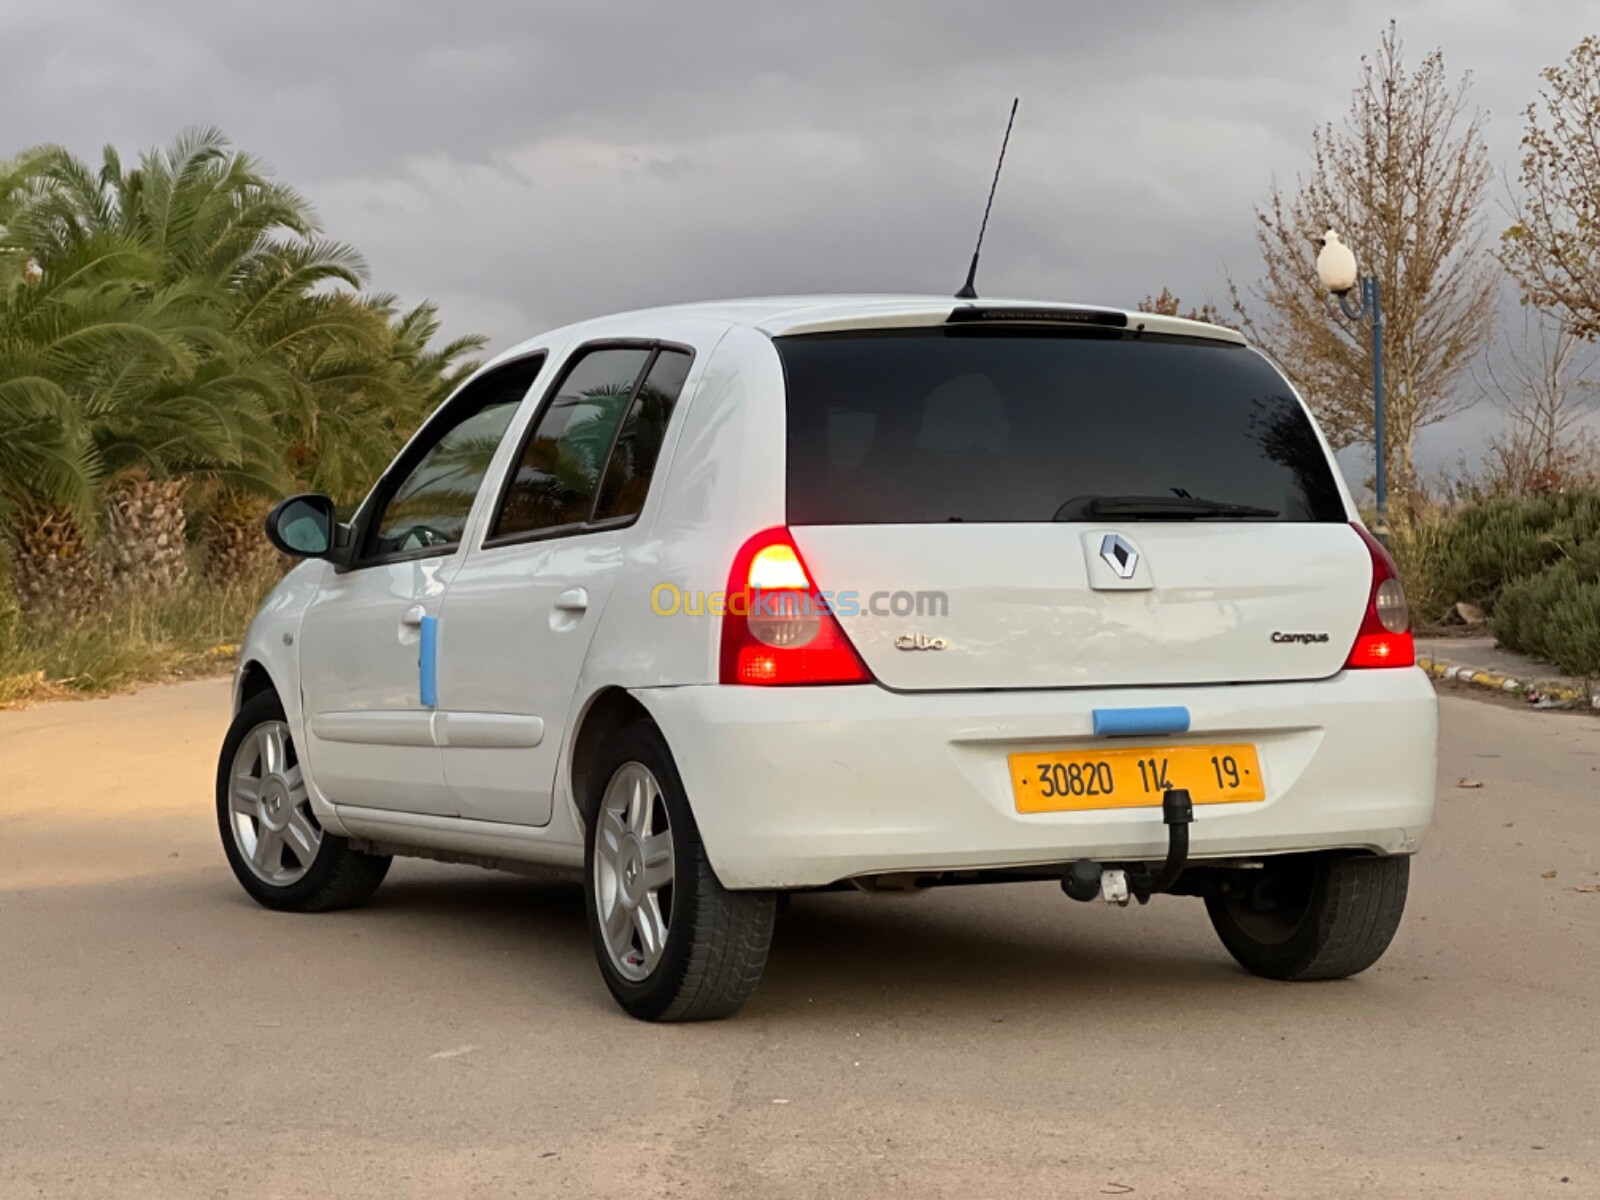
[1336, 265]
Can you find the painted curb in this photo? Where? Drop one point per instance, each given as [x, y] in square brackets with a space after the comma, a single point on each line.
[1549, 694]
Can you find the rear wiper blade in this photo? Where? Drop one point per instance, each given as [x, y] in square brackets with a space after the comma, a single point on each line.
[1157, 508]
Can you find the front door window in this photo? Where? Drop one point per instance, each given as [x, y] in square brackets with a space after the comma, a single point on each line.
[425, 510]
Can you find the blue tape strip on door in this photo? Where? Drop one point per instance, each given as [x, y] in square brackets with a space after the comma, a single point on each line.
[1133, 722]
[428, 663]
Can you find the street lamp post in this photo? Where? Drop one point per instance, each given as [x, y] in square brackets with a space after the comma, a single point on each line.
[1336, 267]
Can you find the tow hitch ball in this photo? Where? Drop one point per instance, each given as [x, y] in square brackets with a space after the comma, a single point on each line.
[1088, 880]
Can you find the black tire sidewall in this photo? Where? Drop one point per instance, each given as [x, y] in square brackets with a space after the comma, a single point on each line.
[1273, 960]
[255, 712]
[1302, 954]
[649, 998]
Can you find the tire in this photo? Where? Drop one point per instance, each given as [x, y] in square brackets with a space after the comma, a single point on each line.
[706, 946]
[1313, 916]
[270, 867]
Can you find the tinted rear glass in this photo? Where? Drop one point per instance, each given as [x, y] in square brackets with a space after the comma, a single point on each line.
[926, 426]
[554, 481]
[633, 458]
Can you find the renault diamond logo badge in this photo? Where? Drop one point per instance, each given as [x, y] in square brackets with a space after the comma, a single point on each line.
[1120, 555]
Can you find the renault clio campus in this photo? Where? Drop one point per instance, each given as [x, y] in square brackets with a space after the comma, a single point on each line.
[721, 602]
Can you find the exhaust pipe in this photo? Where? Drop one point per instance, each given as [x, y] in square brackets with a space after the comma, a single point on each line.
[1088, 880]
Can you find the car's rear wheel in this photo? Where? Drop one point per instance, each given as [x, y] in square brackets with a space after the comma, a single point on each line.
[277, 848]
[1311, 916]
[672, 942]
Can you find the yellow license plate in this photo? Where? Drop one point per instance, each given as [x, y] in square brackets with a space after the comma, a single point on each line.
[1135, 777]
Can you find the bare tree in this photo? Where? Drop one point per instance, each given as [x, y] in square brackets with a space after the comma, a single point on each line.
[1168, 305]
[1553, 247]
[1403, 182]
[1545, 445]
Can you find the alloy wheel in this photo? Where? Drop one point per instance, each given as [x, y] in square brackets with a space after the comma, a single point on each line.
[633, 871]
[269, 809]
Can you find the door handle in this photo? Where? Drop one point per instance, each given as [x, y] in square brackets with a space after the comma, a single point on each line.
[574, 600]
[413, 616]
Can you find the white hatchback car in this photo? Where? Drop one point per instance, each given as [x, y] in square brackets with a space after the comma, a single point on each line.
[724, 601]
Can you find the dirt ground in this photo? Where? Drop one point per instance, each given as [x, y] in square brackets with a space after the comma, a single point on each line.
[160, 1035]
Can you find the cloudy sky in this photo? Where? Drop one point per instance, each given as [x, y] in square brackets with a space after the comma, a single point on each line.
[527, 163]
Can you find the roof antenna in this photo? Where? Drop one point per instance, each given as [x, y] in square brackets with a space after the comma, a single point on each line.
[969, 289]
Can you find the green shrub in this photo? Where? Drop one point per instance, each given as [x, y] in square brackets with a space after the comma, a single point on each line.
[1531, 562]
[1555, 613]
[1473, 553]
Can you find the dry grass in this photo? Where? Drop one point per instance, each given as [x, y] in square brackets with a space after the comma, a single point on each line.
[134, 639]
[1417, 541]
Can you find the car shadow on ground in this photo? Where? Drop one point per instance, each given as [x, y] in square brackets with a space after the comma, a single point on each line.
[965, 949]
[954, 951]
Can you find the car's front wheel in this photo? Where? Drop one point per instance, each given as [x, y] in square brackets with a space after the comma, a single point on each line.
[277, 848]
[672, 942]
[1311, 916]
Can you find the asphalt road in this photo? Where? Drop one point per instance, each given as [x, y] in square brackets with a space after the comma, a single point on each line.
[160, 1035]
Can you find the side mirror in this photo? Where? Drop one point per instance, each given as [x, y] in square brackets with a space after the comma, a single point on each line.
[303, 526]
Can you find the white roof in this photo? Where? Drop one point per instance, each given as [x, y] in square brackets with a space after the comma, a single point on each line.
[778, 315]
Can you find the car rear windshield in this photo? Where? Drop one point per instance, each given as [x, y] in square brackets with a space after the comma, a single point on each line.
[927, 426]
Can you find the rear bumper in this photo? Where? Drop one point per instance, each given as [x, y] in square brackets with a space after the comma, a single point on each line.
[796, 787]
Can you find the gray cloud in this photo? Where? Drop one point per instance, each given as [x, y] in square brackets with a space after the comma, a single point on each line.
[529, 163]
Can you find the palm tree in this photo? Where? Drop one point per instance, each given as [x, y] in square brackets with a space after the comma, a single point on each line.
[85, 347]
[211, 221]
[260, 363]
[426, 376]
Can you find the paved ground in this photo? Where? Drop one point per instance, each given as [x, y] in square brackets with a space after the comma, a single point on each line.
[162, 1036]
[1484, 653]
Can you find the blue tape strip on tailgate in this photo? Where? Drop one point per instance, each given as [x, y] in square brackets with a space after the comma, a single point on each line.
[428, 663]
[1133, 722]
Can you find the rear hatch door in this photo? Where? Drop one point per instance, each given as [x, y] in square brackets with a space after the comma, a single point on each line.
[1022, 508]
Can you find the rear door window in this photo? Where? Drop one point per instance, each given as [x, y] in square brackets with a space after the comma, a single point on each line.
[553, 483]
[931, 426]
[593, 448]
[638, 446]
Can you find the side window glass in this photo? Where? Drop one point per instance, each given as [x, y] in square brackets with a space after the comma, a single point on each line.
[633, 461]
[428, 508]
[554, 482]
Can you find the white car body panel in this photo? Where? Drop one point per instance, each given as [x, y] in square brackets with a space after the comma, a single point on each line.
[369, 737]
[723, 487]
[803, 786]
[520, 621]
[1201, 607]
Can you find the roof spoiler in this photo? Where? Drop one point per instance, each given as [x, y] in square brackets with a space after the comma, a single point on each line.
[967, 314]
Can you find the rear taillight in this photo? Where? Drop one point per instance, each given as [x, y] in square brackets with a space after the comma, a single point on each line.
[1384, 639]
[777, 628]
